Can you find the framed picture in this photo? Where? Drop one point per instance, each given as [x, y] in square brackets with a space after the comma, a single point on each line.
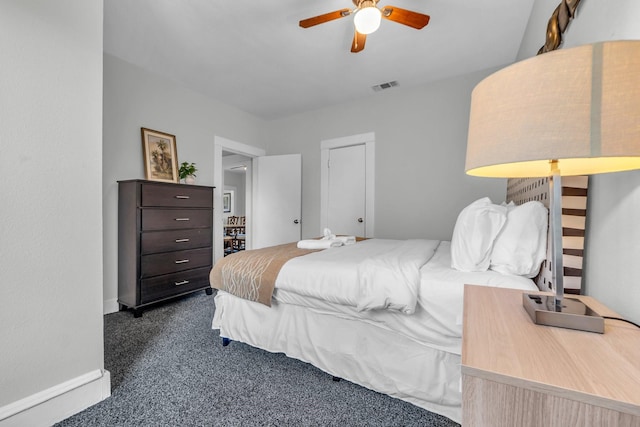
[160, 156]
[227, 201]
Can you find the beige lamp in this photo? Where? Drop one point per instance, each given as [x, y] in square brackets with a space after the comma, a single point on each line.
[567, 112]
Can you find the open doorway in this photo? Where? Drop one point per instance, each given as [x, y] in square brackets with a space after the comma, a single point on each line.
[273, 195]
[234, 201]
[229, 147]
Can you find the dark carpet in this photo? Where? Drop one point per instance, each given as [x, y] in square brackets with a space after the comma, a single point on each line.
[168, 368]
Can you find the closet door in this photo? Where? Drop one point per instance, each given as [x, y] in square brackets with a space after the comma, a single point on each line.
[347, 191]
[347, 185]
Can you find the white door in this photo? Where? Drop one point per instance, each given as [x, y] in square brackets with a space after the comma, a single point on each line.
[277, 190]
[347, 190]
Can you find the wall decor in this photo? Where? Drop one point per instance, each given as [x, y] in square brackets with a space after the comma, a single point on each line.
[160, 156]
[227, 201]
[558, 23]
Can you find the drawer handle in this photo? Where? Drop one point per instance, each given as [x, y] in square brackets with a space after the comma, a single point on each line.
[181, 261]
[181, 240]
[182, 219]
[184, 282]
[182, 197]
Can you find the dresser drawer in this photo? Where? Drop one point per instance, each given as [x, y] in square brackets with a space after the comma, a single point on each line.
[164, 241]
[171, 262]
[173, 284]
[173, 219]
[176, 196]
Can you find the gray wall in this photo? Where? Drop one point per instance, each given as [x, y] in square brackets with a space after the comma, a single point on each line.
[612, 247]
[421, 139]
[134, 98]
[50, 213]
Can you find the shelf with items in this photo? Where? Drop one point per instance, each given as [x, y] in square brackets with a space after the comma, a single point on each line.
[234, 234]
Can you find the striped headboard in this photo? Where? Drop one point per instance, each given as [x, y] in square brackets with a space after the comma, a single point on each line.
[574, 215]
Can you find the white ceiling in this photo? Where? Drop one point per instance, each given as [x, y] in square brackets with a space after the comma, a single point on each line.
[235, 163]
[254, 56]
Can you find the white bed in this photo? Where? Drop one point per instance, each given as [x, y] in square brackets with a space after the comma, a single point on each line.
[340, 310]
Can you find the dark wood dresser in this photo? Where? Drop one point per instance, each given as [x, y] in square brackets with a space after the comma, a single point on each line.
[165, 234]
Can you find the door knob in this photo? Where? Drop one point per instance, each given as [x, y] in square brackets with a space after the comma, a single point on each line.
[360, 220]
[295, 221]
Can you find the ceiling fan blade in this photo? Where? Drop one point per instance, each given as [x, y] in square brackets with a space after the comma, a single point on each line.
[407, 17]
[321, 19]
[358, 42]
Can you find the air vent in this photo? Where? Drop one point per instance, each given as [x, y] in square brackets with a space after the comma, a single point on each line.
[382, 86]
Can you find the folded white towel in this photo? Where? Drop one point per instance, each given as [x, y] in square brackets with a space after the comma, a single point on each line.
[327, 235]
[319, 244]
[347, 240]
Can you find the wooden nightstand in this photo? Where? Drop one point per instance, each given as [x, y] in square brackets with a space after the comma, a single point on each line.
[516, 373]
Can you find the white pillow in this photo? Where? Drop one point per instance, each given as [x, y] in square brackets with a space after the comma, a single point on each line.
[476, 229]
[521, 246]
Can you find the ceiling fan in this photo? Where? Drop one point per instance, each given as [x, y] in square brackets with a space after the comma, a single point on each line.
[367, 18]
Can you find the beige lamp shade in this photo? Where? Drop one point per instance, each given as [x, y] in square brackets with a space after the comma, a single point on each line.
[579, 106]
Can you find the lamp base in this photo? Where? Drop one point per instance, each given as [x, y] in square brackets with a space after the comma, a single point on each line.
[574, 313]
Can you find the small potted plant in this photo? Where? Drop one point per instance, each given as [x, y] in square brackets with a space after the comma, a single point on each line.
[187, 172]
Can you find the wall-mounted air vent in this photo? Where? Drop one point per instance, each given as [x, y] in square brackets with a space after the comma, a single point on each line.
[382, 86]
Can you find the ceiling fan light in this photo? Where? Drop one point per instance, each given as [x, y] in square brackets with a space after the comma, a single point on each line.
[367, 20]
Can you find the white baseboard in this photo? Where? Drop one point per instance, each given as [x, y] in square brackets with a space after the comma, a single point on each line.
[54, 404]
[110, 306]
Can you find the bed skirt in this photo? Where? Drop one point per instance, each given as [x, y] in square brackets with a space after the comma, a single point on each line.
[348, 348]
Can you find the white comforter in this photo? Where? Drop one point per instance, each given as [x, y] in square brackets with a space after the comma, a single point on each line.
[370, 275]
[437, 320]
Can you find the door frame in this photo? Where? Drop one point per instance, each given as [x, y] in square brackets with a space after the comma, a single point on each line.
[369, 141]
[223, 144]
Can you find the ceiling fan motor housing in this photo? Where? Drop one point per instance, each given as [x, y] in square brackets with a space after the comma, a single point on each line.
[363, 3]
[360, 4]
